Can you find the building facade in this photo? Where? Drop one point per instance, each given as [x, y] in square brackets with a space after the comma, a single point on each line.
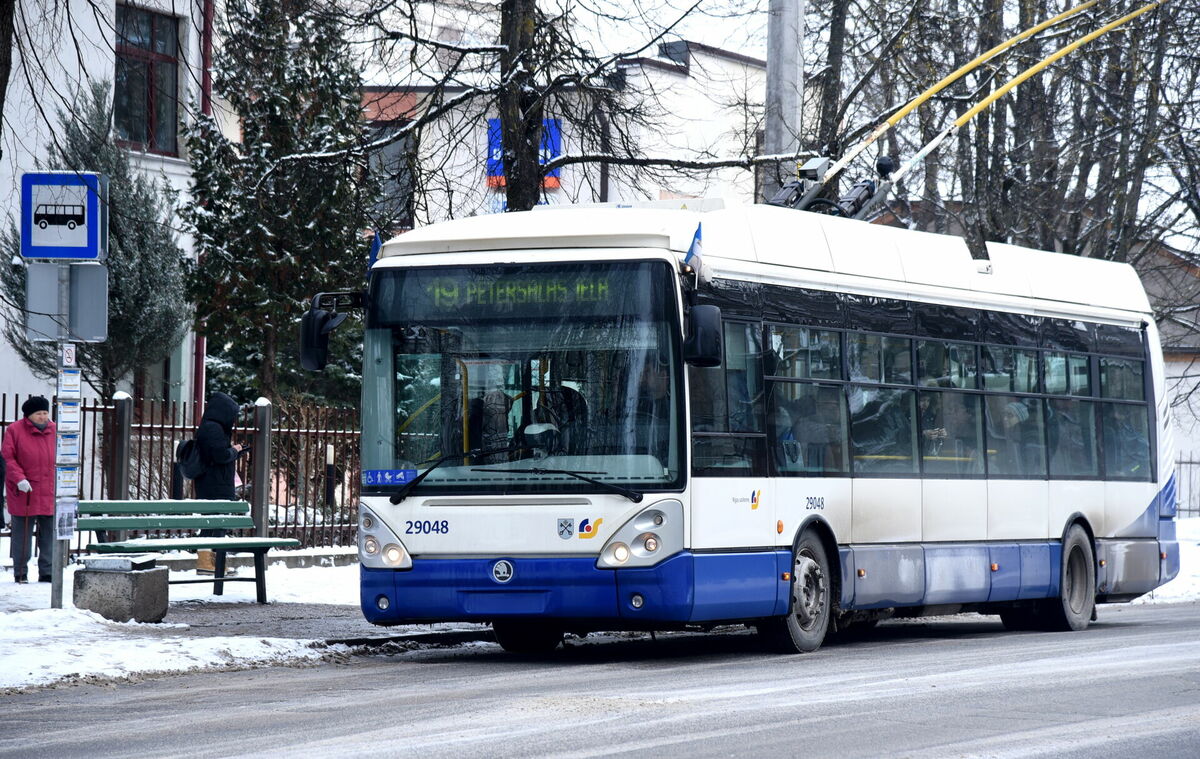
[150, 55]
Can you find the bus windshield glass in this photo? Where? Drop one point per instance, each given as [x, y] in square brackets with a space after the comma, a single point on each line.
[571, 367]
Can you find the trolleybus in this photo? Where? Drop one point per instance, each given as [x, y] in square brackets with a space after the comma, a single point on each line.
[573, 421]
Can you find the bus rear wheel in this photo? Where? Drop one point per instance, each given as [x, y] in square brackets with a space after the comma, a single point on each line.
[803, 628]
[1072, 610]
[522, 636]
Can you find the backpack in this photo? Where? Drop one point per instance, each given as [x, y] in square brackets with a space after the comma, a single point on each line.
[188, 456]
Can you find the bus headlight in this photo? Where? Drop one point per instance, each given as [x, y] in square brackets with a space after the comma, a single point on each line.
[617, 553]
[395, 555]
[651, 535]
[378, 546]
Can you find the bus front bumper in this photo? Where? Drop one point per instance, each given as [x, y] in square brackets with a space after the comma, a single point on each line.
[734, 586]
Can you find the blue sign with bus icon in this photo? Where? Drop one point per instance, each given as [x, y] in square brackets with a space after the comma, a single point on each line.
[63, 216]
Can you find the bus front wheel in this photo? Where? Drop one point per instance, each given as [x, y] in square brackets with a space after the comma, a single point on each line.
[521, 636]
[803, 628]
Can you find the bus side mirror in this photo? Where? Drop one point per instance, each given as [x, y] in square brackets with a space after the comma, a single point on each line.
[315, 326]
[703, 346]
[318, 322]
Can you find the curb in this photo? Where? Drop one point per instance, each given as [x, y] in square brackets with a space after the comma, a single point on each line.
[447, 638]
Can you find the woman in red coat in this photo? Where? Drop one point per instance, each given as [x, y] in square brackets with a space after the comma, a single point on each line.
[29, 448]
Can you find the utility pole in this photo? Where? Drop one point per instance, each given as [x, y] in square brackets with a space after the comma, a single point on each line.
[785, 89]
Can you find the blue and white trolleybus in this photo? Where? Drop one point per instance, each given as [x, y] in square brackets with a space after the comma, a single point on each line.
[572, 422]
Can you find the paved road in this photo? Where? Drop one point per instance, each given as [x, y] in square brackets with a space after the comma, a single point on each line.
[1129, 686]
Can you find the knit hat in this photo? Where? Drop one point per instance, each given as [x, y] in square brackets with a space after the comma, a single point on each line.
[33, 405]
[1019, 410]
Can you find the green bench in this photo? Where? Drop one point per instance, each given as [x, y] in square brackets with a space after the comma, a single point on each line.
[183, 515]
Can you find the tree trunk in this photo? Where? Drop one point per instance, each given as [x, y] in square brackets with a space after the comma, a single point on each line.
[831, 88]
[7, 11]
[520, 105]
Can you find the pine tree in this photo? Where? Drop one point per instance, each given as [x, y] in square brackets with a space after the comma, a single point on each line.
[271, 232]
[148, 310]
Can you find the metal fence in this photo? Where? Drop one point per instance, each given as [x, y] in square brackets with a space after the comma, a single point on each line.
[312, 478]
[1187, 487]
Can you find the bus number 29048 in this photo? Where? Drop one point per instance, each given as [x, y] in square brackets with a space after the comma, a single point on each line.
[426, 527]
[814, 502]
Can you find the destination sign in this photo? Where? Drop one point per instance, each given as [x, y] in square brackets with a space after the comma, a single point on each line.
[449, 292]
[467, 294]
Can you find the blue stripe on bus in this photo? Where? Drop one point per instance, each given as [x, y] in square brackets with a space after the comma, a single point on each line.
[684, 588]
[1165, 500]
[464, 590]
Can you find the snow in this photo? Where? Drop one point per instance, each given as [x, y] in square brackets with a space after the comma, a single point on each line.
[40, 646]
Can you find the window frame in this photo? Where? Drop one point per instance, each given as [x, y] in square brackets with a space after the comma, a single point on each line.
[759, 466]
[152, 59]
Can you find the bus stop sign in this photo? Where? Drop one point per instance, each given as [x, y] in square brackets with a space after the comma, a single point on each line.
[64, 216]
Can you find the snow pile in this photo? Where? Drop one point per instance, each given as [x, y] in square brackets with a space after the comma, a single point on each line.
[39, 646]
[44, 646]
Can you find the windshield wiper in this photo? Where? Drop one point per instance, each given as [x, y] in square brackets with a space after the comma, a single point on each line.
[435, 463]
[632, 495]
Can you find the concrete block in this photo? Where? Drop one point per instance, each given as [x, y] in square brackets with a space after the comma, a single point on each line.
[138, 595]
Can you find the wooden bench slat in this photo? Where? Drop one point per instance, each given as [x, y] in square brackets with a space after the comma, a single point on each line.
[188, 522]
[232, 545]
[163, 507]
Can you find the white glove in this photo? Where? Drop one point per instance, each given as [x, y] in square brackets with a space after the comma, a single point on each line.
[24, 486]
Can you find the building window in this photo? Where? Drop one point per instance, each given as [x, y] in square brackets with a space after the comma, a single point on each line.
[393, 166]
[145, 97]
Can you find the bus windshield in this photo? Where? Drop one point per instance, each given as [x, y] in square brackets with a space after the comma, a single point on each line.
[572, 367]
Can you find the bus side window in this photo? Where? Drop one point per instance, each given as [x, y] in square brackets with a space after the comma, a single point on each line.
[1015, 437]
[1126, 441]
[727, 403]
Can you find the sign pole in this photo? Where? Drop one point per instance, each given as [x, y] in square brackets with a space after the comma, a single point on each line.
[61, 547]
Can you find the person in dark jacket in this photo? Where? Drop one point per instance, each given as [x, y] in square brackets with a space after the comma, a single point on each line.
[214, 439]
[28, 450]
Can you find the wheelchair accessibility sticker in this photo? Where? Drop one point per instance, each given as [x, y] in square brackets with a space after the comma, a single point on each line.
[388, 476]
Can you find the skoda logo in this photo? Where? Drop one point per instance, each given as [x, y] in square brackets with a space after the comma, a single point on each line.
[502, 570]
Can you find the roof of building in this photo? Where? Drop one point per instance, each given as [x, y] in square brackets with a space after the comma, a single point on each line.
[765, 241]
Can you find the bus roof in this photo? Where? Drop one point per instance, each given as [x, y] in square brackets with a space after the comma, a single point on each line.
[795, 245]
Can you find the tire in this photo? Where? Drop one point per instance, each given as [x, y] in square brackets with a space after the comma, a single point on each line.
[42, 224]
[803, 628]
[70, 225]
[1072, 610]
[520, 636]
